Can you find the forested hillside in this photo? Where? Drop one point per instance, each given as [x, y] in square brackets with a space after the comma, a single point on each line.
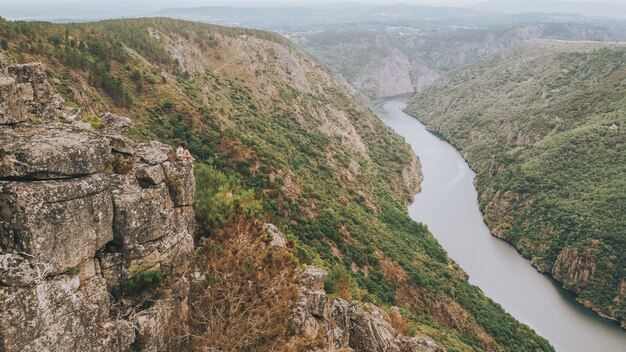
[278, 139]
[543, 125]
[391, 60]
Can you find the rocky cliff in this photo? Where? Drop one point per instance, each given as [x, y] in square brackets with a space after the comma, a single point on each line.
[351, 326]
[275, 139]
[86, 217]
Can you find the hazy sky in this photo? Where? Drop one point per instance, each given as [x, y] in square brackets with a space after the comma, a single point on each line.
[180, 3]
[96, 9]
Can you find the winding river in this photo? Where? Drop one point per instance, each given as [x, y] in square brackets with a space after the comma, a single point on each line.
[448, 206]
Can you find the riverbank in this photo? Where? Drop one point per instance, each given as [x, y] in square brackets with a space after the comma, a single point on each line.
[448, 206]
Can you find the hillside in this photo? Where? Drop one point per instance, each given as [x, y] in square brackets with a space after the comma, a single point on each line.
[277, 140]
[388, 61]
[543, 126]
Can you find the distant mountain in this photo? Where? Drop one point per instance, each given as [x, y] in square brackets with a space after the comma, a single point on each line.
[400, 60]
[608, 9]
[286, 17]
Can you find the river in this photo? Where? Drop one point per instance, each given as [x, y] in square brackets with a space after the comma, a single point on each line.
[448, 205]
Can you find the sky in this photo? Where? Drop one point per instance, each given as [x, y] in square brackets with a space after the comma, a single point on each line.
[181, 3]
[94, 9]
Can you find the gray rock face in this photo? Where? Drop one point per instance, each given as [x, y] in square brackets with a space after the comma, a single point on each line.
[142, 215]
[115, 124]
[72, 233]
[152, 174]
[153, 152]
[32, 78]
[13, 108]
[419, 344]
[16, 271]
[61, 314]
[278, 238]
[356, 326]
[180, 181]
[43, 152]
[370, 329]
[58, 223]
[313, 278]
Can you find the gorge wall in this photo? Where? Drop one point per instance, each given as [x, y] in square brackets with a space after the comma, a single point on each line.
[96, 239]
[86, 216]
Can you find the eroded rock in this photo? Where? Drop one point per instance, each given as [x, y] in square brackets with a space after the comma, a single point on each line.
[370, 329]
[153, 152]
[82, 212]
[59, 223]
[180, 182]
[115, 124]
[278, 238]
[43, 152]
[343, 326]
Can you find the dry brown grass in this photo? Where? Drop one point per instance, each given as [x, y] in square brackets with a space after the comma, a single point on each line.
[245, 298]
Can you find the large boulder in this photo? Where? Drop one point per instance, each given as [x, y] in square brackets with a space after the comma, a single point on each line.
[32, 76]
[180, 181]
[143, 215]
[313, 278]
[44, 152]
[13, 109]
[154, 152]
[115, 124]
[65, 313]
[278, 238]
[56, 223]
[419, 344]
[370, 329]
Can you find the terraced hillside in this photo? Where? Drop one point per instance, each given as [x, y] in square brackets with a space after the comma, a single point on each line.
[543, 125]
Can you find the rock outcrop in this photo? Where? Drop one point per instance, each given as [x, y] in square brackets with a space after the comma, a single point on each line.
[355, 326]
[83, 212]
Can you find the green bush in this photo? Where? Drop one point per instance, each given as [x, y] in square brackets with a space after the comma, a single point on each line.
[144, 282]
[94, 120]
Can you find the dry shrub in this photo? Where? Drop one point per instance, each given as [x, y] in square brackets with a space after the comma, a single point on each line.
[400, 323]
[247, 292]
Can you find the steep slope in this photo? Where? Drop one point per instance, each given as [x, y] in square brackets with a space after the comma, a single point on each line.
[286, 144]
[388, 61]
[543, 126]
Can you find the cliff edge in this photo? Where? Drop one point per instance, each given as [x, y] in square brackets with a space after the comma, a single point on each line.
[90, 224]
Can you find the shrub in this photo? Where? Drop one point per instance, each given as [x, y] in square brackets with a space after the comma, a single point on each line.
[144, 282]
[122, 165]
[93, 120]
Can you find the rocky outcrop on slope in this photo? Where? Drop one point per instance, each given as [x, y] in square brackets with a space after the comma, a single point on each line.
[346, 326]
[83, 213]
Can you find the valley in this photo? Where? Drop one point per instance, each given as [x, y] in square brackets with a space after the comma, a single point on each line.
[397, 178]
[448, 205]
[541, 125]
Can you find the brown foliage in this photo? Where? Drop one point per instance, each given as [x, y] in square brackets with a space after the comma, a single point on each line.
[245, 298]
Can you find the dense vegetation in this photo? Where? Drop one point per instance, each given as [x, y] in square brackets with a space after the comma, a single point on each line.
[281, 142]
[544, 126]
[359, 52]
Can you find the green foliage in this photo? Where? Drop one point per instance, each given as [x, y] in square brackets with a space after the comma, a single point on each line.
[219, 197]
[144, 282]
[312, 161]
[545, 134]
[73, 271]
[122, 165]
[94, 120]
